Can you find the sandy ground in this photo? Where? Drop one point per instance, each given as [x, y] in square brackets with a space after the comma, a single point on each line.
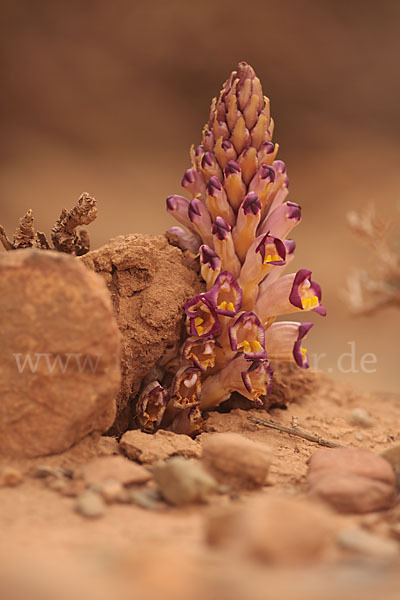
[164, 551]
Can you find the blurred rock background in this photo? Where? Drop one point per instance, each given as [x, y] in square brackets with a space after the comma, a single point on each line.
[106, 97]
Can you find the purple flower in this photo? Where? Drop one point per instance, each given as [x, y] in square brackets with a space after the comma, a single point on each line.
[183, 239]
[281, 220]
[210, 265]
[150, 407]
[185, 387]
[283, 341]
[200, 351]
[248, 218]
[247, 335]
[217, 202]
[251, 379]
[201, 220]
[193, 182]
[203, 316]
[225, 294]
[289, 294]
[224, 246]
[234, 185]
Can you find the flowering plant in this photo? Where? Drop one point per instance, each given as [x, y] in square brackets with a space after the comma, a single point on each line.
[237, 222]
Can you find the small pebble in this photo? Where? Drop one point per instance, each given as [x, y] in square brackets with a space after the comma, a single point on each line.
[10, 477]
[236, 461]
[392, 455]
[144, 498]
[90, 504]
[358, 437]
[110, 490]
[395, 530]
[58, 484]
[360, 417]
[182, 481]
[367, 544]
[352, 480]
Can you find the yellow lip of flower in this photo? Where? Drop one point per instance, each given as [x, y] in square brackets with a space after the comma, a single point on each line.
[304, 353]
[272, 258]
[309, 303]
[198, 325]
[226, 306]
[249, 347]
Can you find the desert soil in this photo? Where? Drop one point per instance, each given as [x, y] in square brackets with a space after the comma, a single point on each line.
[50, 550]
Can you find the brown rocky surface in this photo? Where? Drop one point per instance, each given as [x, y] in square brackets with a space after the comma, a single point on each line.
[59, 353]
[236, 461]
[136, 546]
[147, 448]
[352, 479]
[149, 281]
[115, 468]
[275, 530]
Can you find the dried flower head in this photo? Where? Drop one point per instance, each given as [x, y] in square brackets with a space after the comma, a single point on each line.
[237, 221]
[365, 293]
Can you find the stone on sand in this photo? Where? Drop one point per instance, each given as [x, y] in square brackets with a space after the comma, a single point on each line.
[352, 480]
[59, 370]
[147, 448]
[236, 461]
[183, 481]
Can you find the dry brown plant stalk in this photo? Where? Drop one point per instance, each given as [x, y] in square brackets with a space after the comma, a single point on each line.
[65, 235]
[368, 293]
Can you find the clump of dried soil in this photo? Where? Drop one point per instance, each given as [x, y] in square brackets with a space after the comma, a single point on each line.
[149, 281]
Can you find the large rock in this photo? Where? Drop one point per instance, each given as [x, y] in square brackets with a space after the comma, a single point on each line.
[236, 461]
[274, 530]
[149, 281]
[59, 367]
[147, 448]
[352, 480]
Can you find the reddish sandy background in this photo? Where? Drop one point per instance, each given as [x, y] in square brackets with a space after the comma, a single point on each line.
[106, 97]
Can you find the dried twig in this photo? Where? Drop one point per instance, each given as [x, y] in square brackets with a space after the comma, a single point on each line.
[367, 294]
[296, 432]
[64, 235]
[4, 239]
[24, 236]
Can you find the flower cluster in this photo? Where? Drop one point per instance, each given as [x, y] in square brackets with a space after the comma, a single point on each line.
[237, 222]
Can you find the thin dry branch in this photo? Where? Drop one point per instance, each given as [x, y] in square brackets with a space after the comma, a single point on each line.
[365, 293]
[4, 239]
[24, 236]
[317, 439]
[64, 235]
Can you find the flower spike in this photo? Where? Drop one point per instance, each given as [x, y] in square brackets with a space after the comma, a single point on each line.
[239, 212]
